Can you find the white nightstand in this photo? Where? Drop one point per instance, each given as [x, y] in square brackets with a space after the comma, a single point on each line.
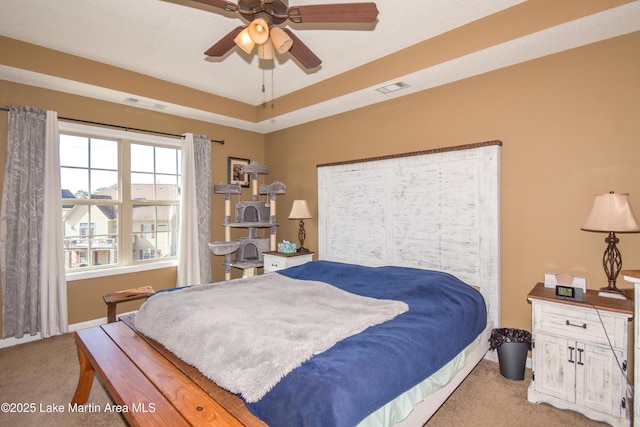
[274, 260]
[633, 276]
[579, 355]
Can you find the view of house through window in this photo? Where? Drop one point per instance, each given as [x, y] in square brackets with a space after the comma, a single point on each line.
[120, 201]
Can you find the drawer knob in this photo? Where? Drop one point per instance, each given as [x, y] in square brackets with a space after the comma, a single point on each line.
[583, 326]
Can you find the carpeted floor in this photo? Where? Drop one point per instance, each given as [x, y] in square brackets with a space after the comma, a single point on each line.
[45, 374]
[487, 399]
[42, 376]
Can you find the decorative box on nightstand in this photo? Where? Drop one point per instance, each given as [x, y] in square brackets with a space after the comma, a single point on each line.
[274, 260]
[579, 354]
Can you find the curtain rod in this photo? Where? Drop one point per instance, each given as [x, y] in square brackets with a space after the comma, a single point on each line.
[126, 128]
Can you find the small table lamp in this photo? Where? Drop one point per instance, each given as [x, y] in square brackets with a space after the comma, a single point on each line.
[300, 210]
[612, 213]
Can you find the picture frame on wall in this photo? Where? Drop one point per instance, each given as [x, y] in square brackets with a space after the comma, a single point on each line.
[234, 171]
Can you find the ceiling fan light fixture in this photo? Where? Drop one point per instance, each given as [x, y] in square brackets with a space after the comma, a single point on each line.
[259, 31]
[264, 16]
[281, 40]
[244, 41]
[265, 51]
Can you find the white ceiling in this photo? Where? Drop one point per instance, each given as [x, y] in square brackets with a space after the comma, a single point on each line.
[166, 39]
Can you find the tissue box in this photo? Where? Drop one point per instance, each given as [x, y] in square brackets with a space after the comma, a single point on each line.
[287, 247]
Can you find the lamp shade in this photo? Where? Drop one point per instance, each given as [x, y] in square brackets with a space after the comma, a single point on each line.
[259, 31]
[244, 41]
[281, 40]
[300, 210]
[612, 212]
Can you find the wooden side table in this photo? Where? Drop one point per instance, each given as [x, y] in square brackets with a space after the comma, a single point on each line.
[114, 298]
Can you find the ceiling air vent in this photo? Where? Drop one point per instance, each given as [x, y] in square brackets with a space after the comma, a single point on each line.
[392, 87]
[145, 104]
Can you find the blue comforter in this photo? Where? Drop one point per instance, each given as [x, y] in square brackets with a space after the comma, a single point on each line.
[342, 385]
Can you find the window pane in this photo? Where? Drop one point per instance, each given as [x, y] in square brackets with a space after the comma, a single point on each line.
[90, 236]
[104, 250]
[76, 181]
[104, 183]
[168, 191]
[141, 190]
[74, 151]
[104, 154]
[155, 232]
[166, 160]
[141, 158]
[167, 246]
[72, 218]
[167, 179]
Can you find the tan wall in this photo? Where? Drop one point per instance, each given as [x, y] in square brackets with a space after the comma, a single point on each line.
[570, 128]
[570, 124]
[85, 296]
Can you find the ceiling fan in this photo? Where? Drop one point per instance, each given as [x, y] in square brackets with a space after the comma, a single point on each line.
[264, 16]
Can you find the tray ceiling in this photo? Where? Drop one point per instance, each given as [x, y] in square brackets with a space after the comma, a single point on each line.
[424, 43]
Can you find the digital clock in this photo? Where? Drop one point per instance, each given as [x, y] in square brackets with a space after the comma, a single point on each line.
[569, 293]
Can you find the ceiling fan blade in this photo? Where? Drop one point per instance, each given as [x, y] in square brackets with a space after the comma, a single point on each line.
[302, 53]
[226, 43]
[334, 13]
[222, 4]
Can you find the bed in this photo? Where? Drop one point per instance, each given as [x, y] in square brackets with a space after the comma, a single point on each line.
[388, 373]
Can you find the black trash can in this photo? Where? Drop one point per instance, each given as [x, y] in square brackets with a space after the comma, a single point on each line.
[513, 346]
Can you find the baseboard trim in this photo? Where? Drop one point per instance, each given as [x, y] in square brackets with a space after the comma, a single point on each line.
[11, 341]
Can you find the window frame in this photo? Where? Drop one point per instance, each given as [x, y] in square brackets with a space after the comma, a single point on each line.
[125, 226]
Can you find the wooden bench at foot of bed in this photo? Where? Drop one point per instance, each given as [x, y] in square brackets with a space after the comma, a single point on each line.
[150, 388]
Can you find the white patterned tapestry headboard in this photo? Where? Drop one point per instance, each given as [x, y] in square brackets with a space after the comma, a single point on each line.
[435, 209]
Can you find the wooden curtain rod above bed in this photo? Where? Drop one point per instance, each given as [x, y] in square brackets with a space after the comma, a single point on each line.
[415, 153]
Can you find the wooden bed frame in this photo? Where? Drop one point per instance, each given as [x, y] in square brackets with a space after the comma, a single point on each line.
[159, 389]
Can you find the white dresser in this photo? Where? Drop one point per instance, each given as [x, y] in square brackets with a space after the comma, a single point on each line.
[633, 276]
[274, 260]
[579, 354]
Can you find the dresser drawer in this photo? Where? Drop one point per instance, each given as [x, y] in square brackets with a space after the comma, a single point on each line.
[273, 263]
[579, 323]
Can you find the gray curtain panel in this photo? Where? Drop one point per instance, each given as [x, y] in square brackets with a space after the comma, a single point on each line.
[202, 154]
[21, 221]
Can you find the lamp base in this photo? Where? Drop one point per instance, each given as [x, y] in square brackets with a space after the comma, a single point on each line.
[611, 293]
[302, 250]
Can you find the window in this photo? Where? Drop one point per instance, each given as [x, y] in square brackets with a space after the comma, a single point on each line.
[120, 198]
[84, 228]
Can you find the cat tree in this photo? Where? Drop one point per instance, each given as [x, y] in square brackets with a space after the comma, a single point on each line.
[252, 215]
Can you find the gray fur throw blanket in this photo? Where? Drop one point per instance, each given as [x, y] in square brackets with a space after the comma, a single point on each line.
[247, 334]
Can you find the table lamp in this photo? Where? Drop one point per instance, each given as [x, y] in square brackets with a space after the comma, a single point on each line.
[300, 210]
[612, 213]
